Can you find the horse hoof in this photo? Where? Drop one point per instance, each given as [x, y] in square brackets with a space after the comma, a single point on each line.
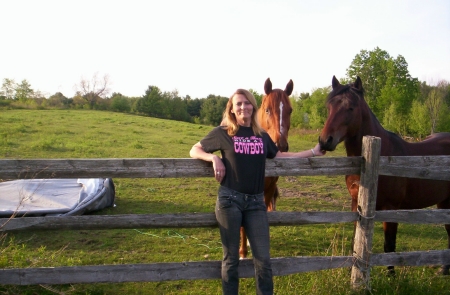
[390, 271]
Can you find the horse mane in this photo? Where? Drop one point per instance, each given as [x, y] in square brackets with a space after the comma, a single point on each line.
[345, 88]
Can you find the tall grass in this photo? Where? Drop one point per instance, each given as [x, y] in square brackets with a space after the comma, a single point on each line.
[93, 134]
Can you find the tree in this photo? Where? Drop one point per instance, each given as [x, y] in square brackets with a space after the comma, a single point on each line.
[24, 91]
[95, 89]
[120, 103]
[258, 97]
[299, 117]
[175, 108]
[78, 102]
[419, 120]
[389, 88]
[151, 103]
[193, 106]
[9, 88]
[434, 104]
[371, 67]
[400, 87]
[212, 109]
[314, 110]
[57, 100]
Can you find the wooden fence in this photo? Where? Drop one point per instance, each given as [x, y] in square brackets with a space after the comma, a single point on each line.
[369, 165]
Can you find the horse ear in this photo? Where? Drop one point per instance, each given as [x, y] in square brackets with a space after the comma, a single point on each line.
[358, 83]
[335, 83]
[268, 86]
[289, 87]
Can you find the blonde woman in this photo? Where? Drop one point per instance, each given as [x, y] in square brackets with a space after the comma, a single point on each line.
[244, 147]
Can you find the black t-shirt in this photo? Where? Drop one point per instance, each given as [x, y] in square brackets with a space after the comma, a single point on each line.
[244, 156]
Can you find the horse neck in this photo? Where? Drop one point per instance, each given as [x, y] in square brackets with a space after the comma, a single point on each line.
[371, 126]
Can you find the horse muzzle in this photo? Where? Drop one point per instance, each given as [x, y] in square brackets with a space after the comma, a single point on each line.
[283, 146]
[327, 145]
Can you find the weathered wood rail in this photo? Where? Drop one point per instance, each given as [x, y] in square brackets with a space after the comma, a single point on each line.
[436, 167]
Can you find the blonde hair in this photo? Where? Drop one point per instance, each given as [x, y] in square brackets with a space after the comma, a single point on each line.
[229, 121]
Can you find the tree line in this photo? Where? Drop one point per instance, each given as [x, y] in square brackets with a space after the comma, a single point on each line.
[401, 103]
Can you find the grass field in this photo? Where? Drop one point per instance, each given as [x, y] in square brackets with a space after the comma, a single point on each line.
[94, 134]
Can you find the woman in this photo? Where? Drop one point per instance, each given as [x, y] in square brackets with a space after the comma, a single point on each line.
[244, 147]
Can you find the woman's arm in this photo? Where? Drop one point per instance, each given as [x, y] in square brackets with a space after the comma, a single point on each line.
[197, 152]
[316, 151]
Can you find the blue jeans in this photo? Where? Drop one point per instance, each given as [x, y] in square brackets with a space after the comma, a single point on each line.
[233, 210]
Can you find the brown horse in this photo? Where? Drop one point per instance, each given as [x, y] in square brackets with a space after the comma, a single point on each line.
[274, 115]
[349, 119]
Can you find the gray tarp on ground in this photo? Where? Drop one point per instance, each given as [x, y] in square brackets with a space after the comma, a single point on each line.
[55, 197]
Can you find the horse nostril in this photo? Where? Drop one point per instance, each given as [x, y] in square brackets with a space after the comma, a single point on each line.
[329, 139]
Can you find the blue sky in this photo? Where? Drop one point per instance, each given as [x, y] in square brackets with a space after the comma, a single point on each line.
[202, 47]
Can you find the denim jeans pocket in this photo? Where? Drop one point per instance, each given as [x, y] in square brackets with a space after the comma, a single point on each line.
[259, 204]
[224, 201]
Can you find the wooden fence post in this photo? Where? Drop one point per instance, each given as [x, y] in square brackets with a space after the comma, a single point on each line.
[367, 195]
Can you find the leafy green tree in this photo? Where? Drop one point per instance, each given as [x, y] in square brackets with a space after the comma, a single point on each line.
[193, 106]
[400, 87]
[24, 91]
[257, 96]
[212, 109]
[389, 88]
[437, 101]
[78, 102]
[120, 103]
[175, 108]
[424, 91]
[371, 67]
[57, 100]
[151, 103]
[314, 109]
[394, 121]
[419, 120]
[434, 103]
[444, 118]
[299, 117]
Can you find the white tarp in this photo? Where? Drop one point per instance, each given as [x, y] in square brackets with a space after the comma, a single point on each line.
[37, 197]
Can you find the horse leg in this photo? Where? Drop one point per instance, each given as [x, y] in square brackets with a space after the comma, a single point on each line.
[243, 250]
[445, 205]
[270, 193]
[445, 268]
[352, 182]
[390, 238]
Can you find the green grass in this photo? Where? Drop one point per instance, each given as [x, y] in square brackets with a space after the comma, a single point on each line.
[94, 134]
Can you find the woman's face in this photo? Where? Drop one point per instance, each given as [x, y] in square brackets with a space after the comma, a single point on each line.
[242, 110]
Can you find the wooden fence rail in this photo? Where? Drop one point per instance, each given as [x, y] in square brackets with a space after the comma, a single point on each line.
[436, 167]
[199, 220]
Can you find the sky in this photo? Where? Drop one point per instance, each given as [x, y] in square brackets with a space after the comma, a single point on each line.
[202, 47]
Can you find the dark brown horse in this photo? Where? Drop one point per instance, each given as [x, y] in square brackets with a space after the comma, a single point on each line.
[349, 119]
[274, 115]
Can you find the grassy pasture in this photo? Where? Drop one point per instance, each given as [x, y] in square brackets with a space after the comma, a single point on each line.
[94, 134]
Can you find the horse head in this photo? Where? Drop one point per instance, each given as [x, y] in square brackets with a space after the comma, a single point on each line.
[275, 113]
[346, 108]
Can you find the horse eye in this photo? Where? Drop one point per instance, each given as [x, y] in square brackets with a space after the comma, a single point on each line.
[350, 109]
[267, 111]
